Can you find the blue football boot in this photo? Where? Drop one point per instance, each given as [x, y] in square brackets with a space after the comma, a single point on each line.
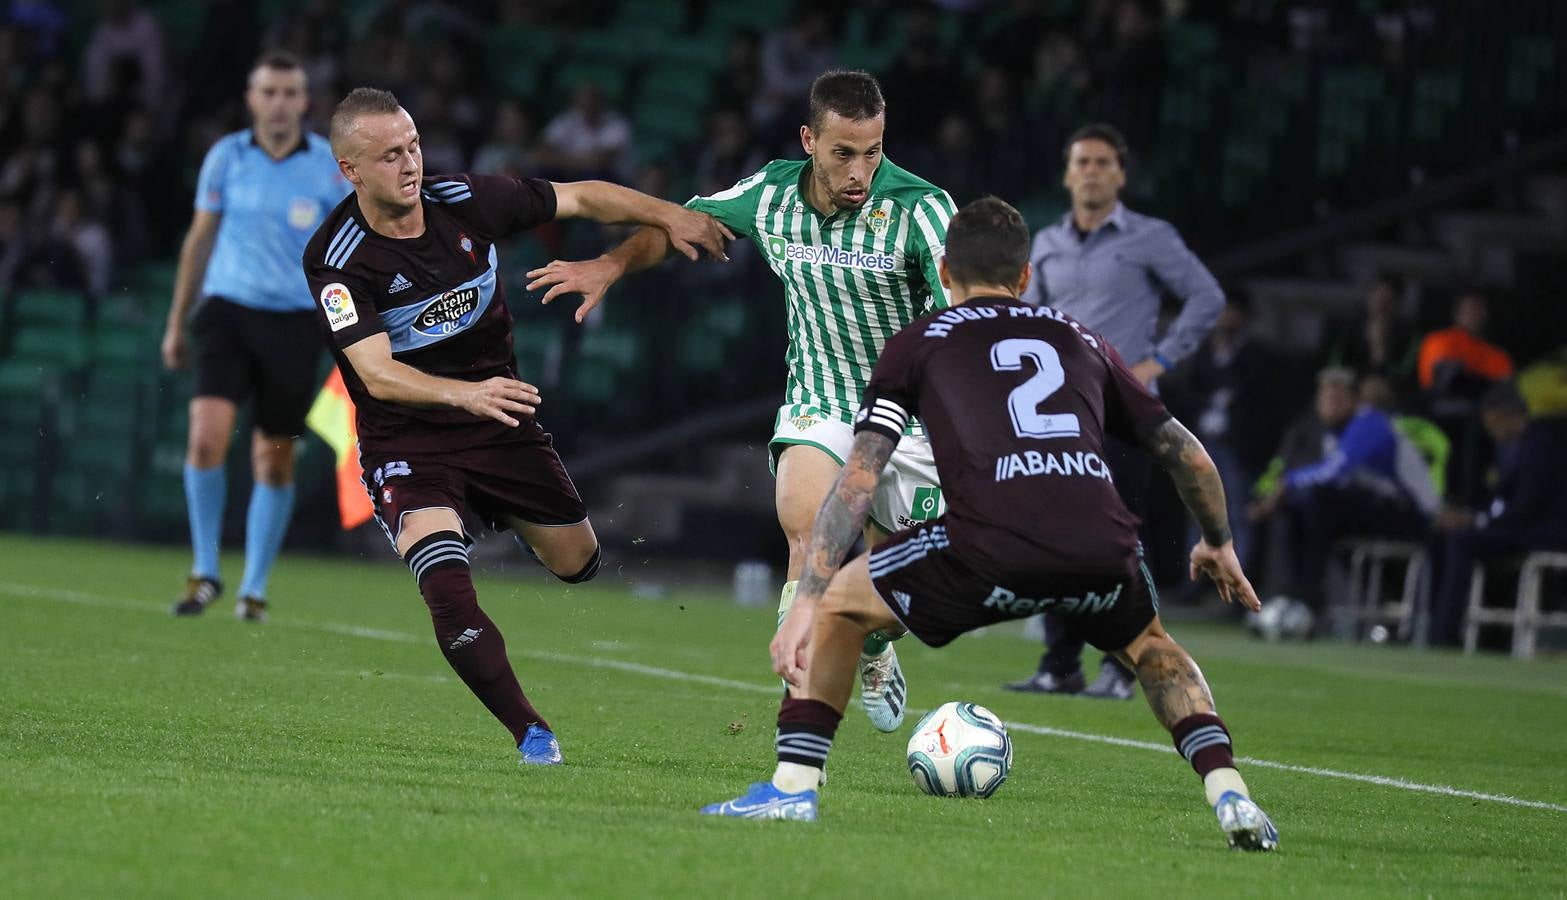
[763, 801]
[539, 748]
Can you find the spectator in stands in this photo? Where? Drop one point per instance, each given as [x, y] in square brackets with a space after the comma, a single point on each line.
[727, 155]
[791, 59]
[921, 77]
[1457, 366]
[1382, 343]
[1459, 360]
[587, 140]
[1543, 385]
[739, 80]
[80, 244]
[125, 57]
[509, 148]
[1372, 481]
[1527, 510]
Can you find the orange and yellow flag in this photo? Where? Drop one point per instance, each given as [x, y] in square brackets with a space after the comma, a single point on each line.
[332, 417]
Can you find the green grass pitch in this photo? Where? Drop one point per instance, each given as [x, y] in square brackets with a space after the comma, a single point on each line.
[332, 753]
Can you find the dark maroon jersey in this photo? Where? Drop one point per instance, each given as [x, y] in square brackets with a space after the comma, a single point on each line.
[1017, 400]
[438, 297]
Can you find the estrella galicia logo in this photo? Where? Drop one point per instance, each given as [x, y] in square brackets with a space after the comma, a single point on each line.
[449, 313]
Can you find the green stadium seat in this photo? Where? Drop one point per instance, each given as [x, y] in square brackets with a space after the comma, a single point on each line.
[704, 49]
[615, 46]
[50, 307]
[758, 15]
[57, 347]
[658, 16]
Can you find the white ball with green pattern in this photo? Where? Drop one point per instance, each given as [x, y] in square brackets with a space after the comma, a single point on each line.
[960, 750]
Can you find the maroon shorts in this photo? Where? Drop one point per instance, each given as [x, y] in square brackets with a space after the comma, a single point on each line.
[937, 596]
[522, 477]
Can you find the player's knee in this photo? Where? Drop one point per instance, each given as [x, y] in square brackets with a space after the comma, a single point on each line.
[587, 569]
[206, 451]
[439, 562]
[273, 464]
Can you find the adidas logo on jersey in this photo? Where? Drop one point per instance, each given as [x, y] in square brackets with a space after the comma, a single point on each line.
[399, 284]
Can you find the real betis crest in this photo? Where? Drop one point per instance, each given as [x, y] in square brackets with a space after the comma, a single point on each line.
[878, 219]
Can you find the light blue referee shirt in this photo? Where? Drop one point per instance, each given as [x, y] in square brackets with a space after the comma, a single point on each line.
[270, 209]
[1112, 280]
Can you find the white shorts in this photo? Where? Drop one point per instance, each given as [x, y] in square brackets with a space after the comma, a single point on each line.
[909, 491]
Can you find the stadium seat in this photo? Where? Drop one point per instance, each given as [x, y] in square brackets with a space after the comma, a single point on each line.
[1528, 615]
[50, 307]
[1365, 601]
[757, 15]
[656, 16]
[54, 347]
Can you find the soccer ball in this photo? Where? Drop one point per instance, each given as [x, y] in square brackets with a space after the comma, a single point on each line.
[960, 750]
[1281, 619]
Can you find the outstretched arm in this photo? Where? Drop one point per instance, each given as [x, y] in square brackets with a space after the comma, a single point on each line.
[840, 521]
[647, 247]
[1197, 480]
[612, 204]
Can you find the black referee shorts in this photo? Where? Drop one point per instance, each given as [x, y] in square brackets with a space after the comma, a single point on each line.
[273, 356]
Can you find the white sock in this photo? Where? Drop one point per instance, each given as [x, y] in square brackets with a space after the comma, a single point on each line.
[1220, 782]
[792, 778]
[786, 599]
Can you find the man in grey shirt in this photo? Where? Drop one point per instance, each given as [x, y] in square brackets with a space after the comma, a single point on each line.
[1111, 269]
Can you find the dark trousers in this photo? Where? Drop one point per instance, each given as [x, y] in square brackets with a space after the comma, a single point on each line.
[1327, 513]
[1133, 473]
[1460, 550]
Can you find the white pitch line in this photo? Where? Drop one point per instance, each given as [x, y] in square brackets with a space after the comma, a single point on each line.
[83, 599]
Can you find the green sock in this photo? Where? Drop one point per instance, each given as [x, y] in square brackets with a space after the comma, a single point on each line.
[786, 599]
[875, 642]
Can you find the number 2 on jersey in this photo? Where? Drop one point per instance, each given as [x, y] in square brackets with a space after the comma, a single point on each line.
[1027, 420]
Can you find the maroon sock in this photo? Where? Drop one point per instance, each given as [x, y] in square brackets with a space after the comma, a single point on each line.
[471, 643]
[805, 731]
[1205, 742]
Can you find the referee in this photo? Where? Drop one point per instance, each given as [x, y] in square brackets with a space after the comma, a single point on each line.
[260, 196]
[1111, 269]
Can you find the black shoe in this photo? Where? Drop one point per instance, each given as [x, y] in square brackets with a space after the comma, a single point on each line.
[1048, 683]
[199, 593]
[1112, 684]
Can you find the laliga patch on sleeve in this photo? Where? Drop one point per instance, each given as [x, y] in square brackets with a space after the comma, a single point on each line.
[339, 306]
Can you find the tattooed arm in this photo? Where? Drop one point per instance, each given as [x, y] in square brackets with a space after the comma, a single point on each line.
[1196, 478]
[842, 517]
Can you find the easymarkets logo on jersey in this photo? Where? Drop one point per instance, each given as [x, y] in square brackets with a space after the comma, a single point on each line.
[781, 250]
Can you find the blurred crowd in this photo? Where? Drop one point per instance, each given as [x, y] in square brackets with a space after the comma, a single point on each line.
[1437, 439]
[103, 123]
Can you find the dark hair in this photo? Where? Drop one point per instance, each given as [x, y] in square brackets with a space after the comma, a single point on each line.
[279, 59]
[987, 243]
[853, 94]
[1504, 397]
[1099, 131]
[362, 101]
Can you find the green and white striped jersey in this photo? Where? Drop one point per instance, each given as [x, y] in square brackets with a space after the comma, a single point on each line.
[852, 279]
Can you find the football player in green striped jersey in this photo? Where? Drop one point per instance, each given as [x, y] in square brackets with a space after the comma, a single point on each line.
[856, 241]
